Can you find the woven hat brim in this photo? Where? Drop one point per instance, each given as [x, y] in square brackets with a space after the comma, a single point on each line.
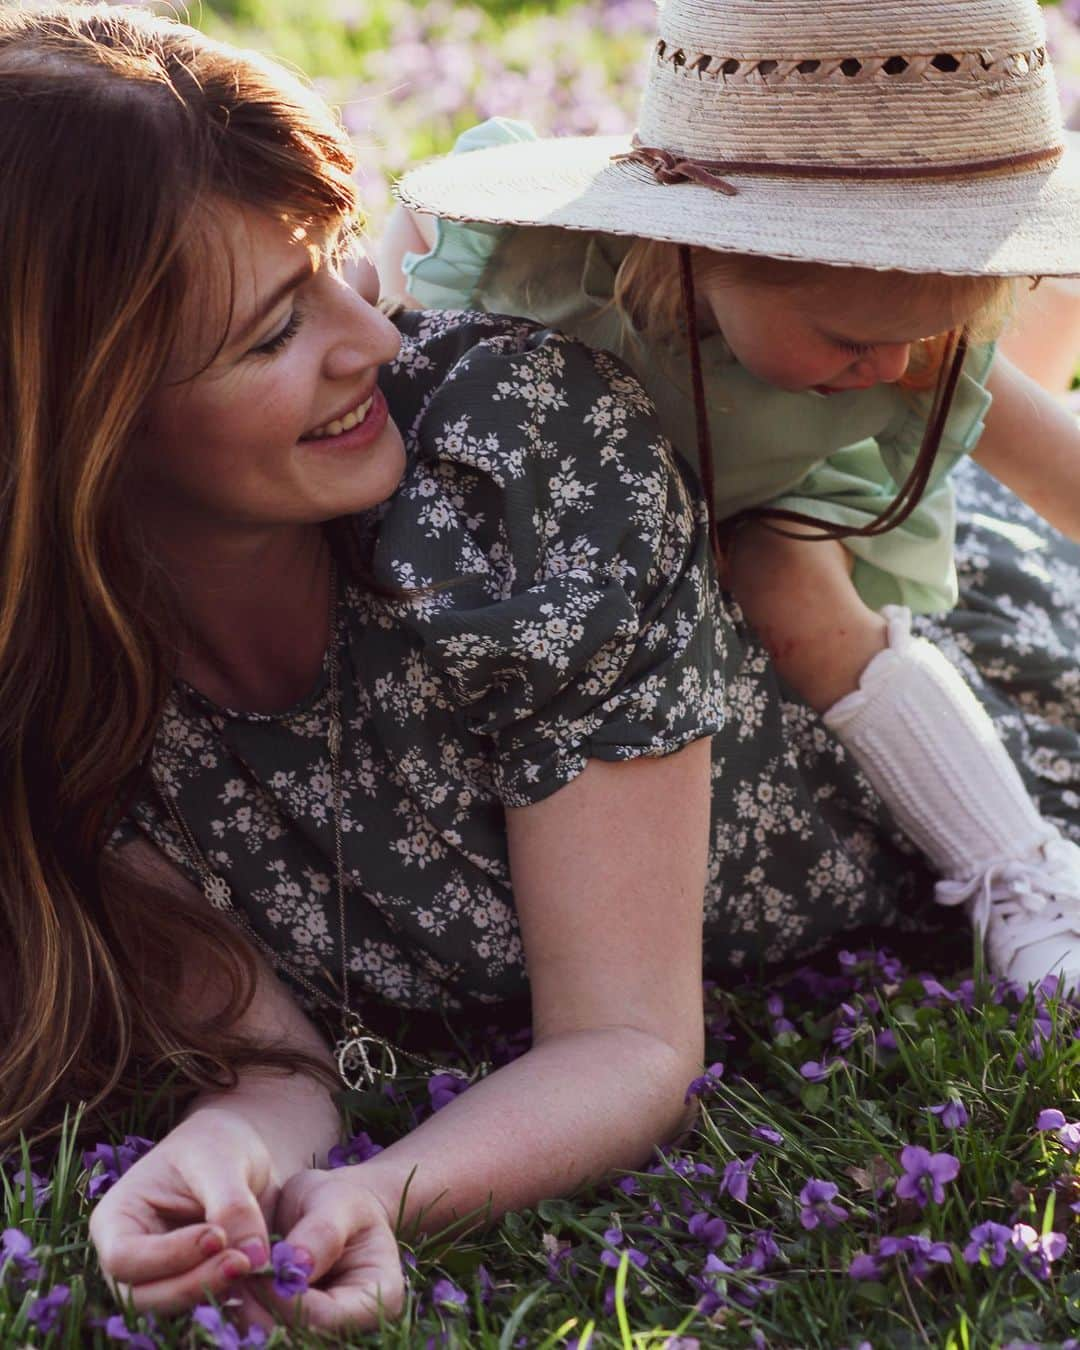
[1016, 224]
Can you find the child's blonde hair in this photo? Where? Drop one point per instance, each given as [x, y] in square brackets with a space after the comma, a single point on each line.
[647, 291]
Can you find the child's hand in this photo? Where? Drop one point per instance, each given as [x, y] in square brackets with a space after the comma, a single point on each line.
[190, 1217]
[346, 1230]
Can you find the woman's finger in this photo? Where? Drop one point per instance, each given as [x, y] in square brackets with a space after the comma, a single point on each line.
[178, 1293]
[130, 1255]
[231, 1204]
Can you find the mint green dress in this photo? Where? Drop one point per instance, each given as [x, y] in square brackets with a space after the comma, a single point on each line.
[838, 458]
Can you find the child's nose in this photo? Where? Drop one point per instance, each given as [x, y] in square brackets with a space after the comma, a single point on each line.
[891, 361]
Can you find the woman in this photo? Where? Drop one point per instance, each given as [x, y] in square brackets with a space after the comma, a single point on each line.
[343, 667]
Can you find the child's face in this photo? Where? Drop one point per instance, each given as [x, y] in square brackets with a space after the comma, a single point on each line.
[245, 443]
[827, 338]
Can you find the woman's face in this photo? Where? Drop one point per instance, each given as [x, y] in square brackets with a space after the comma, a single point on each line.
[285, 425]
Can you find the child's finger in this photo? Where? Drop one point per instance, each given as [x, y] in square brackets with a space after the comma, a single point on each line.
[130, 1255]
[180, 1292]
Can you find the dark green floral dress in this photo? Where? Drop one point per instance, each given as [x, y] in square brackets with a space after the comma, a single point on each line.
[563, 610]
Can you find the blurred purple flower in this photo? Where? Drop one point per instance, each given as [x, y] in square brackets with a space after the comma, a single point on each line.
[814, 1071]
[816, 1198]
[952, 1114]
[45, 1312]
[709, 1229]
[116, 1329]
[15, 1258]
[925, 1174]
[708, 1082]
[735, 1180]
[223, 1335]
[1067, 1132]
[988, 1244]
[1037, 1251]
[615, 1237]
[1050, 1119]
[921, 1252]
[358, 1150]
[447, 1297]
[765, 1250]
[29, 1184]
[770, 1135]
[443, 1088]
[292, 1270]
[865, 1266]
[114, 1160]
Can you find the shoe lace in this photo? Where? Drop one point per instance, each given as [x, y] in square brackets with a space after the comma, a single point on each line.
[1041, 891]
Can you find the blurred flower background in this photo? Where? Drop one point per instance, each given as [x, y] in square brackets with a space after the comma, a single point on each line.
[409, 75]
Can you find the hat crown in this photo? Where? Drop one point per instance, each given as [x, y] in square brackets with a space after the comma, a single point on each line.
[900, 83]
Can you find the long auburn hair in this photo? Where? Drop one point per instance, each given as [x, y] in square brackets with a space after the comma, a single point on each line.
[115, 127]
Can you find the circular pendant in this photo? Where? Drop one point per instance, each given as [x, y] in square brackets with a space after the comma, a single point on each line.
[355, 1066]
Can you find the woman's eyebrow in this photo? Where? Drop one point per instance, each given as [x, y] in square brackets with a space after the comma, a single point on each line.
[271, 302]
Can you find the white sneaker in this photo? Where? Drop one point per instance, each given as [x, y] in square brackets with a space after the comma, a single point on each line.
[1028, 911]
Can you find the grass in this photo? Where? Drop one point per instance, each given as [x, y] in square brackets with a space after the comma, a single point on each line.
[564, 1273]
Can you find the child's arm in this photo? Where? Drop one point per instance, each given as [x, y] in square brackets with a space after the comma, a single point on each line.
[1032, 444]
[406, 232]
[609, 877]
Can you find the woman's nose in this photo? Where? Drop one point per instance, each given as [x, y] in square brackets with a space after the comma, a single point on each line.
[365, 338]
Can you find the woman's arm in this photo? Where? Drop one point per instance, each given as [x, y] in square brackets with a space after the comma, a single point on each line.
[1032, 444]
[193, 1214]
[609, 877]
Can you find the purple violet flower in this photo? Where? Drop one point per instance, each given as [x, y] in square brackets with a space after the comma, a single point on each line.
[615, 1237]
[988, 1244]
[224, 1336]
[920, 1251]
[115, 1160]
[814, 1071]
[29, 1184]
[447, 1297]
[1050, 1119]
[1035, 1251]
[865, 1266]
[708, 1082]
[116, 1330]
[952, 1114]
[816, 1198]
[770, 1136]
[45, 1312]
[15, 1258]
[765, 1251]
[443, 1088]
[710, 1230]
[735, 1180]
[292, 1269]
[925, 1174]
[358, 1150]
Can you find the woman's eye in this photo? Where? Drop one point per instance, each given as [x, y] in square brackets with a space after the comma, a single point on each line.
[857, 348]
[282, 337]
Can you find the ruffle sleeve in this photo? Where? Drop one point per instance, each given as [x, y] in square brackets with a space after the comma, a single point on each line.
[565, 604]
[900, 441]
[449, 275]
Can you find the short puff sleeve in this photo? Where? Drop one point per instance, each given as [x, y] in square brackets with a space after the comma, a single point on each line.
[566, 601]
[449, 275]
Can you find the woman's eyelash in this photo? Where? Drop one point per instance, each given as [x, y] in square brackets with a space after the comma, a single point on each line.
[856, 348]
[281, 338]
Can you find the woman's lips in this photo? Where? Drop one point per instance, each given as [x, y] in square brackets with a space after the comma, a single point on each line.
[360, 436]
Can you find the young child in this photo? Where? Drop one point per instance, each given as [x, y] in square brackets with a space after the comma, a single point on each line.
[806, 234]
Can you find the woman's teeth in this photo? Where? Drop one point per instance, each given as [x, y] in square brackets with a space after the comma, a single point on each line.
[338, 425]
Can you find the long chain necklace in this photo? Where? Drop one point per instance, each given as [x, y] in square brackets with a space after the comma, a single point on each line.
[354, 1051]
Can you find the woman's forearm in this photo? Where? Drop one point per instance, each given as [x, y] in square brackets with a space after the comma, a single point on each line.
[569, 1111]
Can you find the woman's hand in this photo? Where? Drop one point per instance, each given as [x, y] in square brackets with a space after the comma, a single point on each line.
[190, 1217]
[347, 1231]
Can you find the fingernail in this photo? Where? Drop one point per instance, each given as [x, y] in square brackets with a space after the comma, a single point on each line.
[234, 1267]
[211, 1242]
[255, 1251]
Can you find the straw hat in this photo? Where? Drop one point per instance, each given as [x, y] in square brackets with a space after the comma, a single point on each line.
[922, 135]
